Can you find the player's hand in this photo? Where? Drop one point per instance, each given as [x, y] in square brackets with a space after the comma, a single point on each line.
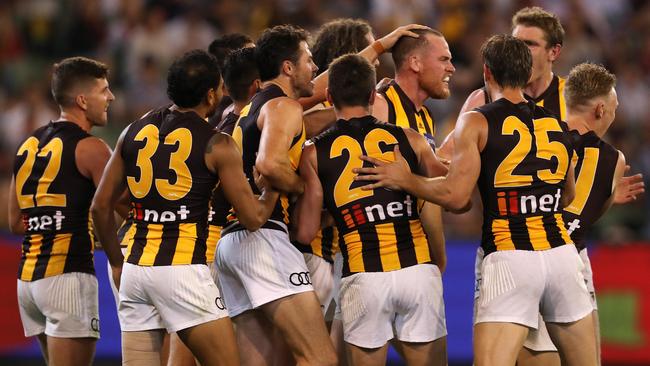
[383, 83]
[628, 188]
[389, 40]
[391, 175]
[117, 275]
[260, 181]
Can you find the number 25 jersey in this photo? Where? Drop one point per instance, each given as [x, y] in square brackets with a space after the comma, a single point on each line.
[523, 171]
[170, 187]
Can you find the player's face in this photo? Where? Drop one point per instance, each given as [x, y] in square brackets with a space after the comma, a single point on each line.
[305, 71]
[542, 54]
[98, 98]
[436, 67]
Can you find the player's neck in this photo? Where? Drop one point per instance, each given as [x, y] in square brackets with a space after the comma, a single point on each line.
[538, 86]
[77, 117]
[348, 113]
[238, 106]
[284, 84]
[514, 95]
[411, 87]
[201, 109]
[580, 121]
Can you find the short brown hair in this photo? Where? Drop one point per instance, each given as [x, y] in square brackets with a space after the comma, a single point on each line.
[351, 81]
[586, 82]
[405, 45]
[508, 59]
[71, 72]
[276, 45]
[542, 19]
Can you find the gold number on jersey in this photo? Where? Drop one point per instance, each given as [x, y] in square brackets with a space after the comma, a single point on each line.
[178, 190]
[54, 148]
[545, 148]
[140, 187]
[585, 180]
[343, 193]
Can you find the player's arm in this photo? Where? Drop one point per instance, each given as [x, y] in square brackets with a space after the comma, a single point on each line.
[431, 214]
[110, 188]
[370, 53]
[453, 191]
[569, 190]
[15, 216]
[317, 121]
[310, 203]
[224, 158]
[91, 156]
[474, 100]
[625, 189]
[282, 122]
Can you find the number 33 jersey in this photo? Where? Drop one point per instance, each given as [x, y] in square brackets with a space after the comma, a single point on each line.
[170, 187]
[54, 199]
[523, 171]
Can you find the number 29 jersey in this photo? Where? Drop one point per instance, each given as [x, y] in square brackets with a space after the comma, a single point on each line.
[54, 200]
[379, 230]
[170, 187]
[523, 171]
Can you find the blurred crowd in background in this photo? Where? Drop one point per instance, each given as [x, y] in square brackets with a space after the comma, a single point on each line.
[138, 39]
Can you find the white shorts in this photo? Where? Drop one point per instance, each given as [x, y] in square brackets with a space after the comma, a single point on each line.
[539, 340]
[336, 291]
[321, 273]
[258, 267]
[64, 306]
[170, 297]
[406, 303]
[517, 285]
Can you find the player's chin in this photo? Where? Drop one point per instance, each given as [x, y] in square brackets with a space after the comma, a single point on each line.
[308, 91]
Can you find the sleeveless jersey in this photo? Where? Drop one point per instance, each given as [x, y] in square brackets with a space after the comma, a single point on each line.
[170, 187]
[402, 112]
[54, 200]
[594, 171]
[248, 136]
[553, 98]
[523, 171]
[379, 230]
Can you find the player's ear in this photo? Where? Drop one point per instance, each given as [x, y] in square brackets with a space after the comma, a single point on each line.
[371, 100]
[329, 96]
[599, 112]
[487, 75]
[554, 52]
[81, 101]
[287, 67]
[414, 62]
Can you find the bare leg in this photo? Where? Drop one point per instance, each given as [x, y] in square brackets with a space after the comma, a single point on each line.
[300, 321]
[528, 357]
[42, 342]
[142, 348]
[70, 351]
[597, 333]
[358, 356]
[575, 341]
[498, 343]
[425, 354]
[255, 338]
[213, 343]
[336, 336]
[179, 354]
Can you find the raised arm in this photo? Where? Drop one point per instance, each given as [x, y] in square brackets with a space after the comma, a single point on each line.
[318, 120]
[280, 121]
[224, 158]
[310, 203]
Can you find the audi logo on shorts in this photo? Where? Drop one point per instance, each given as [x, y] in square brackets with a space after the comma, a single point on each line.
[300, 278]
[219, 302]
[94, 324]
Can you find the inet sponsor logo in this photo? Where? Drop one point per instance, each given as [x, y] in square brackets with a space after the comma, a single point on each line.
[45, 222]
[512, 203]
[150, 215]
[356, 215]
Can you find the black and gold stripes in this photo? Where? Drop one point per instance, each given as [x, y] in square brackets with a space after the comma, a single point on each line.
[525, 233]
[214, 235]
[402, 112]
[167, 244]
[384, 247]
[324, 245]
[553, 98]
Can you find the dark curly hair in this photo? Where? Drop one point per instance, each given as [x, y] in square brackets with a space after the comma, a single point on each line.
[191, 76]
[337, 38]
[276, 45]
[224, 45]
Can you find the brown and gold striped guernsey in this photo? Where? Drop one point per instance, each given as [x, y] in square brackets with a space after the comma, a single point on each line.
[594, 171]
[380, 230]
[402, 112]
[553, 98]
[523, 172]
[170, 187]
[248, 135]
[54, 199]
[325, 245]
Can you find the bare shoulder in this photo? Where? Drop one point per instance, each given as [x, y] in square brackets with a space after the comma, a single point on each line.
[282, 105]
[91, 148]
[474, 100]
